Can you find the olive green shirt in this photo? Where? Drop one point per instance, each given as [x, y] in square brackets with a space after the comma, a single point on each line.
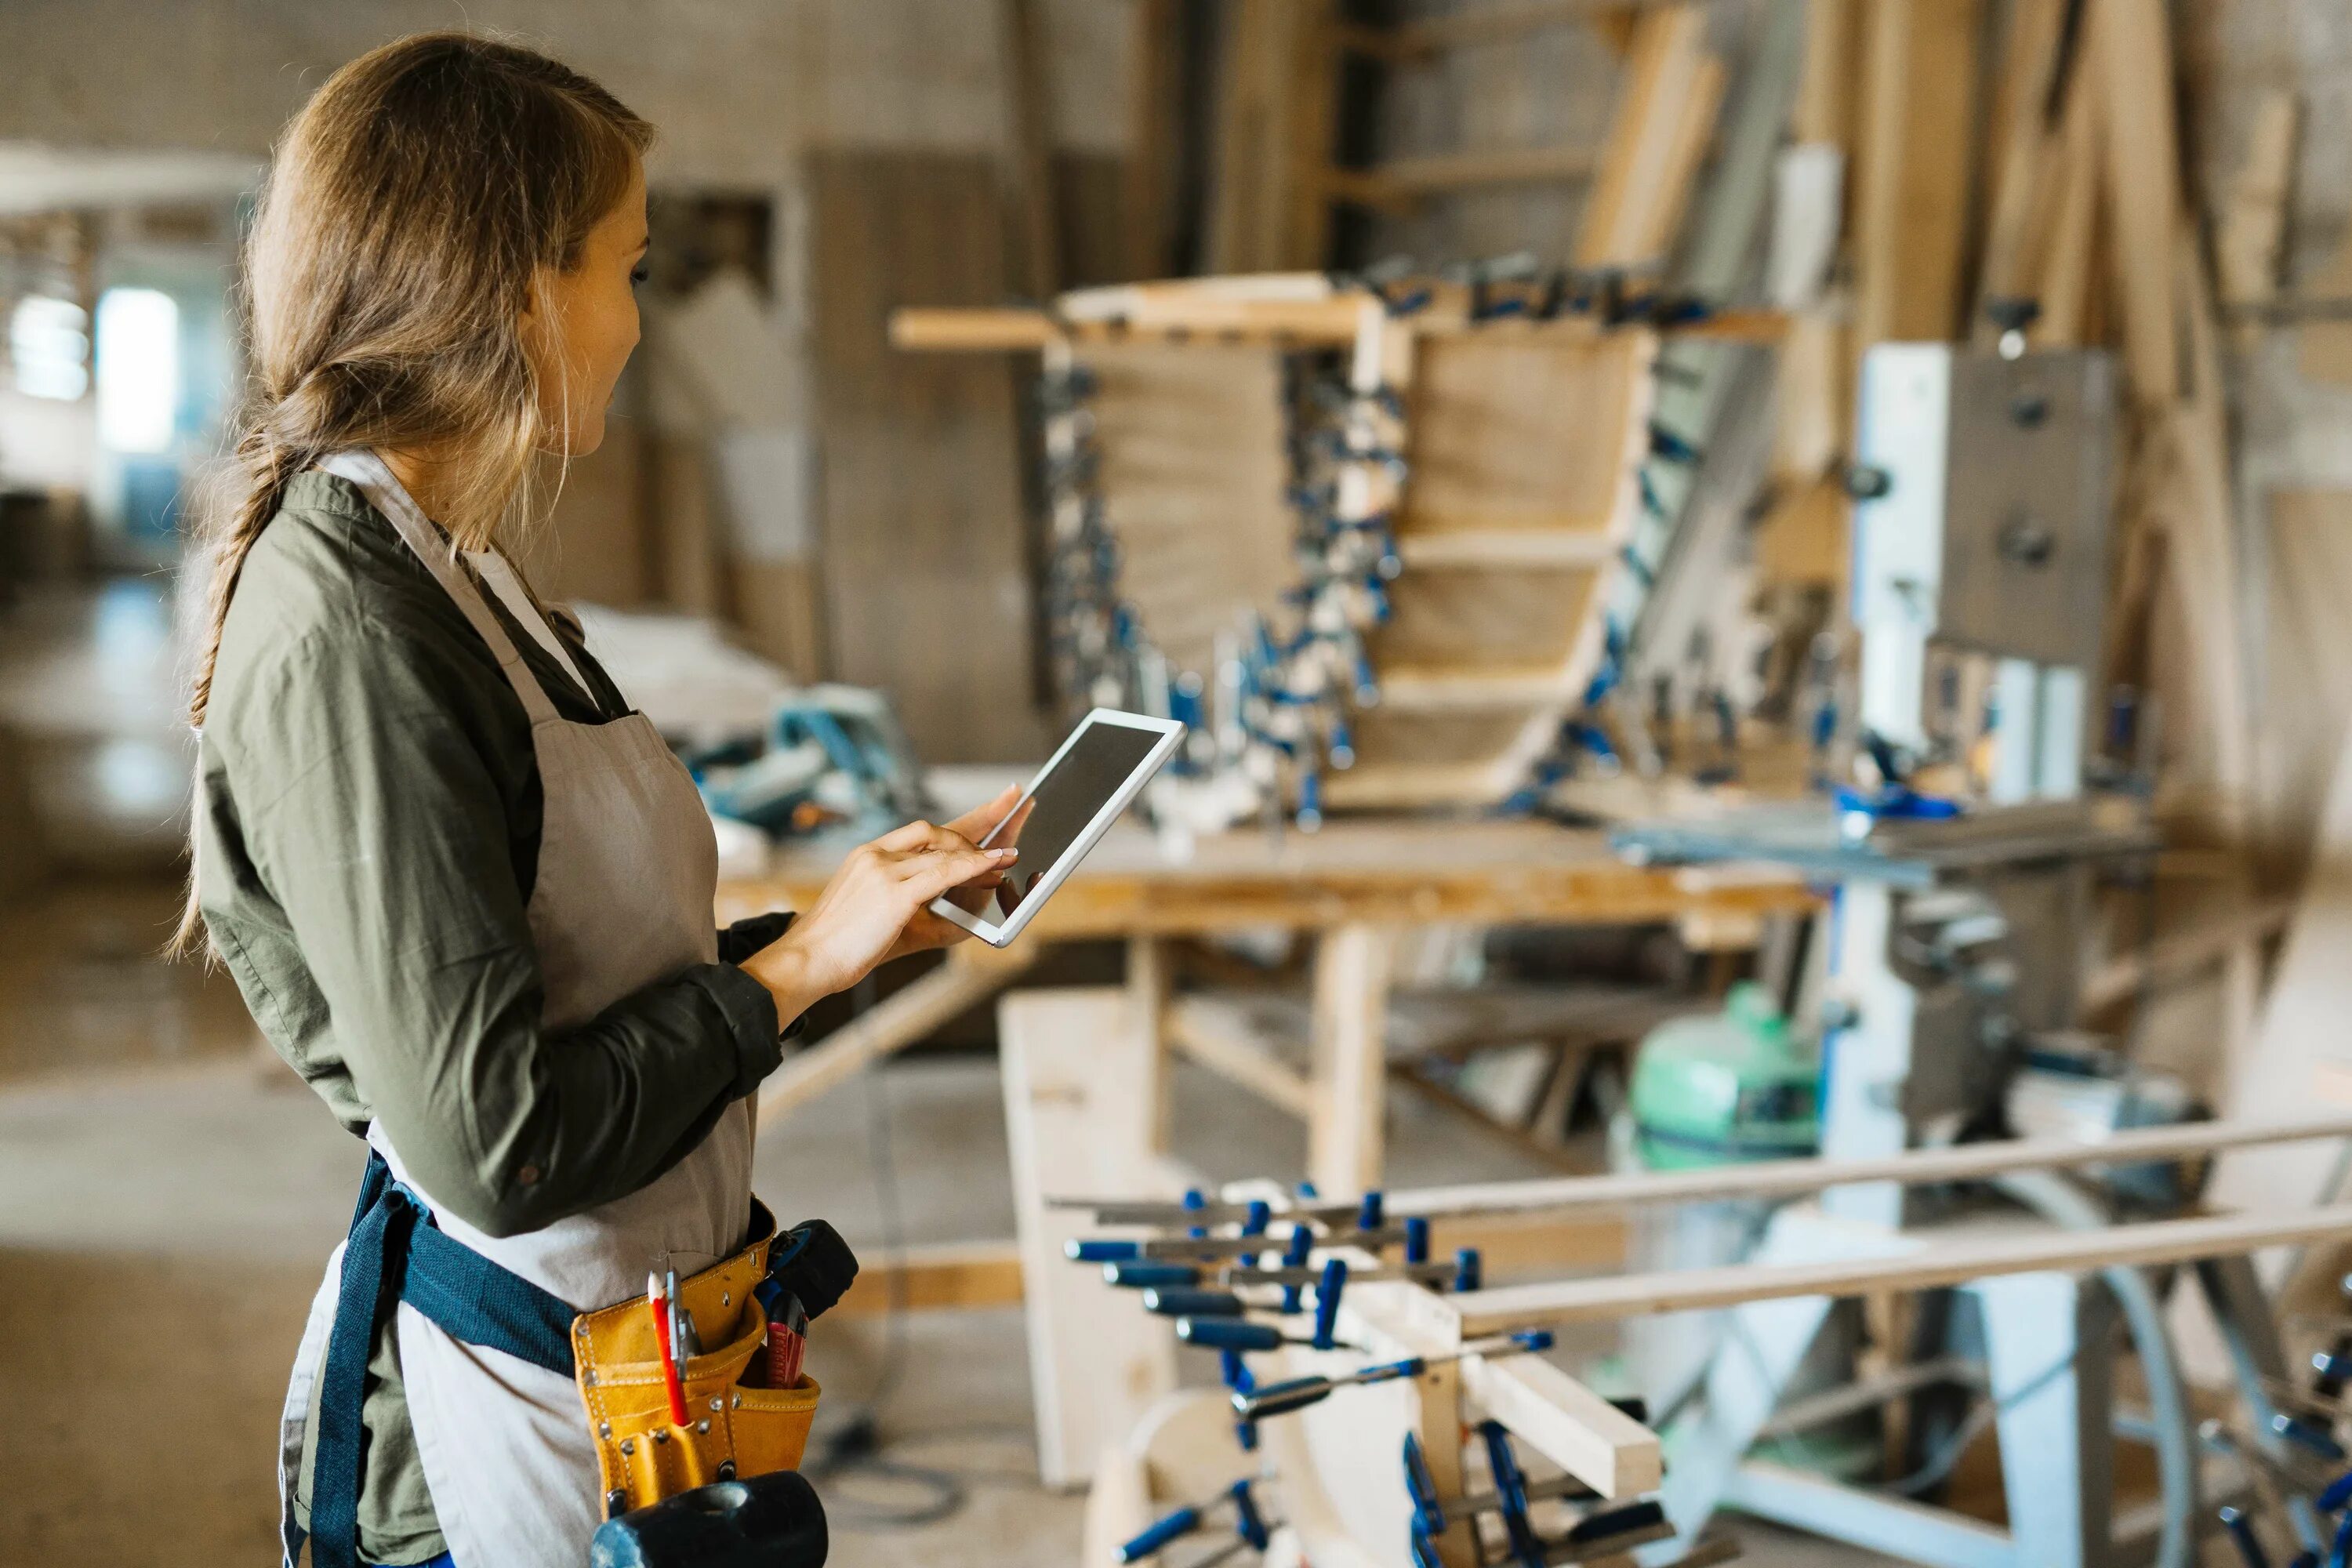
[368, 820]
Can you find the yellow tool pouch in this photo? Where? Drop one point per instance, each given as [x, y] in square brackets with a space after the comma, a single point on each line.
[733, 1431]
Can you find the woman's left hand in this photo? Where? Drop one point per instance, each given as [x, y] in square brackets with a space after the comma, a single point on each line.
[876, 907]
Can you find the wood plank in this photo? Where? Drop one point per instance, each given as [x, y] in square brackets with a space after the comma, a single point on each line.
[1211, 1035]
[1346, 1126]
[1154, 137]
[1453, 691]
[1441, 542]
[922, 486]
[2324, 348]
[1792, 1178]
[1824, 110]
[2252, 230]
[1402, 184]
[1911, 212]
[973, 973]
[2066, 268]
[1029, 190]
[2307, 673]
[2024, 161]
[1934, 1267]
[2178, 955]
[1150, 981]
[1664, 115]
[1479, 871]
[1096, 1364]
[1567, 1423]
[950, 1276]
[2134, 59]
[1424, 37]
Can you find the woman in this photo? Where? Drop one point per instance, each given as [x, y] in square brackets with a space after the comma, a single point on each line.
[464, 889]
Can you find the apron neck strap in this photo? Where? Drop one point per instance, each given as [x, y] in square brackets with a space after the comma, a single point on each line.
[430, 545]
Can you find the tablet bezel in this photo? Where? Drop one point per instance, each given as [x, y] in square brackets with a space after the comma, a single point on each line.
[1171, 732]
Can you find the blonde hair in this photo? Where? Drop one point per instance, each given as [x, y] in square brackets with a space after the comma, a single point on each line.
[407, 208]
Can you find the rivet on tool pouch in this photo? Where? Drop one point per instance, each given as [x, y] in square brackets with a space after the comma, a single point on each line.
[736, 1430]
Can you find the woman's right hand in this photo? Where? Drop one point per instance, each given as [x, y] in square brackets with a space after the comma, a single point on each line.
[882, 890]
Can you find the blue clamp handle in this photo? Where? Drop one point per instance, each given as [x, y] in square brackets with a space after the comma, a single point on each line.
[1416, 1239]
[1511, 1490]
[1327, 1301]
[1248, 1523]
[1183, 1301]
[2239, 1528]
[1134, 1276]
[1101, 1251]
[1468, 1272]
[2305, 1434]
[1228, 1334]
[1369, 1214]
[1256, 1217]
[1159, 1532]
[2338, 1493]
[1293, 1256]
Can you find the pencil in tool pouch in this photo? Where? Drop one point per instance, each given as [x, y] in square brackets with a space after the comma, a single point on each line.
[735, 1427]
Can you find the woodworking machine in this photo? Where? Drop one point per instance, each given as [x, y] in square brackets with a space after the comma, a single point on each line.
[1962, 859]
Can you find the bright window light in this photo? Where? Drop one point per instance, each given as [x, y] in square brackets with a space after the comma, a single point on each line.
[137, 369]
[48, 344]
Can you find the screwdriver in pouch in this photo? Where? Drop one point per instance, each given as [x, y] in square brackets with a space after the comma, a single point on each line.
[1298, 1392]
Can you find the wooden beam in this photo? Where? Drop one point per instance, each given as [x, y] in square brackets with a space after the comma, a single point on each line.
[949, 1276]
[1919, 1167]
[1937, 1266]
[1402, 185]
[1347, 1129]
[1567, 1423]
[1660, 128]
[2252, 230]
[1208, 1034]
[2024, 157]
[1021, 53]
[2134, 65]
[1564, 545]
[1096, 1364]
[973, 973]
[1911, 210]
[1148, 169]
[2174, 957]
[1419, 40]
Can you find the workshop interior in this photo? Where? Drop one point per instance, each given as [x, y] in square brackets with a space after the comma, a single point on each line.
[1720, 929]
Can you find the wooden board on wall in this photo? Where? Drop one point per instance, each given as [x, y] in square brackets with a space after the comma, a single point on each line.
[926, 553]
[1194, 470]
[2307, 681]
[596, 549]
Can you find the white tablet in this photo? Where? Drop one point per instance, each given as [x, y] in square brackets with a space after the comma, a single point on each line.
[1103, 765]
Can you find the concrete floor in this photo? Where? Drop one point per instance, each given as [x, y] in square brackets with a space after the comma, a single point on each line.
[169, 1192]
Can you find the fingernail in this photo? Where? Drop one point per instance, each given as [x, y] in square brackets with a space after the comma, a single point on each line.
[1007, 854]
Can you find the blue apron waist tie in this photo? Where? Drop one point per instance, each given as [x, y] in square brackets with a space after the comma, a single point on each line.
[392, 1257]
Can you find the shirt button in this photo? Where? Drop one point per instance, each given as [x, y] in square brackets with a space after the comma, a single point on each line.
[528, 1175]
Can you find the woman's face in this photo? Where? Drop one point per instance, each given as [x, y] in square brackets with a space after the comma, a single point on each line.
[581, 325]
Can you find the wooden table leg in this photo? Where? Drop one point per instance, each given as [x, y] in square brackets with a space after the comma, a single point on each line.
[1345, 1134]
[1149, 960]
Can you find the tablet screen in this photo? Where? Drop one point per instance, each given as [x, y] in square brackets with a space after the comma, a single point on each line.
[1101, 758]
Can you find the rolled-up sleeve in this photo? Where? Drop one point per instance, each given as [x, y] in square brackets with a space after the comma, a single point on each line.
[375, 821]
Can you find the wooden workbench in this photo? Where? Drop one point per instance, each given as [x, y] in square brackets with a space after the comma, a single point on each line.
[1355, 886]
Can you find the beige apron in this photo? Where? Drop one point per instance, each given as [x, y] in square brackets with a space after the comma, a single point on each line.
[627, 871]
